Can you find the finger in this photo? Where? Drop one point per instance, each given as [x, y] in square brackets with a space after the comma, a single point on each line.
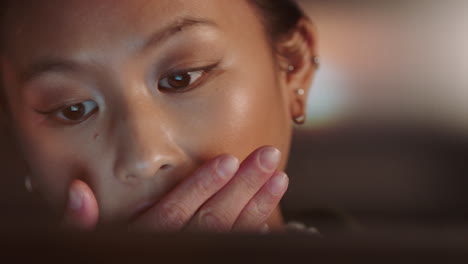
[259, 209]
[221, 211]
[176, 208]
[265, 229]
[82, 209]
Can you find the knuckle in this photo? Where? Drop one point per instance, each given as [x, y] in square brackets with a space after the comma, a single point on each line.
[251, 182]
[212, 220]
[208, 182]
[172, 216]
[256, 210]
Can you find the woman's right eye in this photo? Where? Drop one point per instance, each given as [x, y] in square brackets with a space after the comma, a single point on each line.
[182, 81]
[77, 112]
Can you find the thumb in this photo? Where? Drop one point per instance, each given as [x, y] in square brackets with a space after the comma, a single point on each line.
[82, 210]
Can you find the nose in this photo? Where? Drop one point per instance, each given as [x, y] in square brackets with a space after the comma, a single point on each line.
[146, 146]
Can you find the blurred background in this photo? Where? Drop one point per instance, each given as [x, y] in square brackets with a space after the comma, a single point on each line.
[386, 138]
[392, 61]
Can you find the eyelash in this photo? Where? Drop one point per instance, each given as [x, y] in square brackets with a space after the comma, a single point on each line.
[59, 113]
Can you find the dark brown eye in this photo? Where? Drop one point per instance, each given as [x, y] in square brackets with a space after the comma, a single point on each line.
[180, 81]
[77, 112]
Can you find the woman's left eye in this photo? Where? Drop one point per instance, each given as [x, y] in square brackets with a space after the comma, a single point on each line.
[77, 112]
[181, 81]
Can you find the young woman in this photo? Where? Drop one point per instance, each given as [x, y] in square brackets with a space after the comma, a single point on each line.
[158, 114]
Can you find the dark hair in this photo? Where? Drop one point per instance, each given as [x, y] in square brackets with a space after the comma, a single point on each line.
[279, 17]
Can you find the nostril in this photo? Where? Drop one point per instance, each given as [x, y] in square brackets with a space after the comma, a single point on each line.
[130, 176]
[131, 170]
[165, 167]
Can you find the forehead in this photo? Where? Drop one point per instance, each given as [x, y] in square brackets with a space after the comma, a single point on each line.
[42, 26]
[125, 13]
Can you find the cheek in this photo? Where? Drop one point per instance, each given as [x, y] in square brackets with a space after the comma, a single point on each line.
[243, 113]
[55, 159]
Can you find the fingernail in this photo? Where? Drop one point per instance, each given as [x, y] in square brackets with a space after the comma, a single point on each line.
[227, 166]
[269, 158]
[75, 198]
[278, 183]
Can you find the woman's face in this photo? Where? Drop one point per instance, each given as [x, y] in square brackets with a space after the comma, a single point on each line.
[133, 97]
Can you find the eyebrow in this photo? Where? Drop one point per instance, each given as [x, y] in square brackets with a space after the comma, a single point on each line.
[49, 64]
[58, 65]
[176, 27]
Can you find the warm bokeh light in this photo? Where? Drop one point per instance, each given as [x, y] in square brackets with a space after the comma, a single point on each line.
[400, 61]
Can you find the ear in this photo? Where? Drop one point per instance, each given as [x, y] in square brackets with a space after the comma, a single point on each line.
[297, 57]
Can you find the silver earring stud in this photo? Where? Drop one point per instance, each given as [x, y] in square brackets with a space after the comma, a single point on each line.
[299, 120]
[300, 92]
[316, 60]
[27, 184]
[291, 68]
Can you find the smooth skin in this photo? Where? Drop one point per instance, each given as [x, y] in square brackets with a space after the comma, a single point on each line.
[137, 113]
